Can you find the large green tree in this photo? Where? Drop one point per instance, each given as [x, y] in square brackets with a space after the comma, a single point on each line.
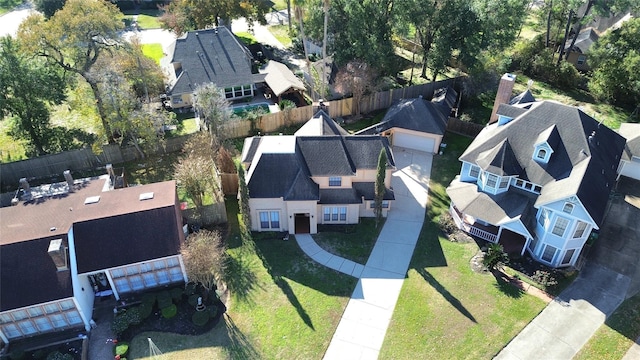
[48, 7]
[380, 188]
[213, 108]
[27, 87]
[615, 60]
[185, 15]
[74, 38]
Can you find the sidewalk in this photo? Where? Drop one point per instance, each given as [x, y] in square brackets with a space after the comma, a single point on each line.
[364, 323]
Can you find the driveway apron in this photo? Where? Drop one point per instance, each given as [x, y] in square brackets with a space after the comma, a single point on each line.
[362, 329]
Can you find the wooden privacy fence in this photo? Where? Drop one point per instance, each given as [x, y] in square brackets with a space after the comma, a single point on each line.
[211, 214]
[465, 128]
[83, 159]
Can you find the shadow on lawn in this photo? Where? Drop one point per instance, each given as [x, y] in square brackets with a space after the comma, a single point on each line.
[240, 278]
[240, 346]
[446, 294]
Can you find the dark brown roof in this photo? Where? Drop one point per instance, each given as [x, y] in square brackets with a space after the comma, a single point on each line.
[28, 276]
[53, 215]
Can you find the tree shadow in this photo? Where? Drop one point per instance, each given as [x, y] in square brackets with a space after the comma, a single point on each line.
[446, 294]
[508, 286]
[240, 346]
[293, 299]
[240, 278]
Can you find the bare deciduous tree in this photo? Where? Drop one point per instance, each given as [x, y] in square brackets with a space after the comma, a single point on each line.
[356, 78]
[205, 258]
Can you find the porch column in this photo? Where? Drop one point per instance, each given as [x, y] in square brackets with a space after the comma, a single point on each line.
[498, 236]
[526, 245]
[112, 283]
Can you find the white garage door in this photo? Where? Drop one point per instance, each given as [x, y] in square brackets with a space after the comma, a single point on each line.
[631, 169]
[415, 142]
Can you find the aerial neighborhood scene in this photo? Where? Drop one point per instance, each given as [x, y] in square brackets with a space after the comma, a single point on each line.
[316, 179]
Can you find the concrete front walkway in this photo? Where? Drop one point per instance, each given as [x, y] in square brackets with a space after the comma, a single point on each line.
[364, 322]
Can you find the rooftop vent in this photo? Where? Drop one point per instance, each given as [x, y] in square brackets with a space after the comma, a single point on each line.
[58, 252]
[69, 179]
[92, 200]
[146, 196]
[25, 184]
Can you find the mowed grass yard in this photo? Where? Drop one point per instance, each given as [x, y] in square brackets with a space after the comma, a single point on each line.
[283, 305]
[445, 310]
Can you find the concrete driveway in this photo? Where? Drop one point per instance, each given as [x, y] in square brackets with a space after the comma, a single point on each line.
[364, 323]
[610, 275]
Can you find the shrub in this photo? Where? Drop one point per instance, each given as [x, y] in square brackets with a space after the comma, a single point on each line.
[164, 299]
[57, 355]
[200, 318]
[176, 294]
[286, 104]
[17, 355]
[193, 299]
[121, 349]
[149, 298]
[545, 277]
[447, 224]
[495, 257]
[145, 310]
[213, 311]
[190, 288]
[123, 320]
[169, 311]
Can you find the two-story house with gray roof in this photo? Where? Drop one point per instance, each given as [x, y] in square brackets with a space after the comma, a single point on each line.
[537, 180]
[208, 56]
[63, 246]
[320, 175]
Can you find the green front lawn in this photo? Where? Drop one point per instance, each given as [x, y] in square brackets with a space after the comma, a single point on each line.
[153, 51]
[445, 310]
[281, 32]
[353, 242]
[283, 304]
[147, 19]
[246, 37]
[618, 333]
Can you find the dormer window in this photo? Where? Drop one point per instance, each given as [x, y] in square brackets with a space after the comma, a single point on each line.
[542, 153]
[335, 181]
[474, 171]
[568, 208]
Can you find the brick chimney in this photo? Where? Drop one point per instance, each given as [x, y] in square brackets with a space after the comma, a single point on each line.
[505, 90]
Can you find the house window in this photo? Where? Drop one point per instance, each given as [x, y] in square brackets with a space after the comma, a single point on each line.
[520, 183]
[275, 220]
[58, 320]
[504, 182]
[537, 189]
[11, 330]
[474, 171]
[228, 93]
[385, 204]
[176, 274]
[492, 180]
[560, 226]
[247, 90]
[543, 218]
[532, 244]
[176, 100]
[264, 220]
[580, 228]
[568, 208]
[335, 181]
[43, 323]
[237, 91]
[73, 317]
[542, 154]
[336, 213]
[27, 327]
[549, 253]
[581, 59]
[567, 256]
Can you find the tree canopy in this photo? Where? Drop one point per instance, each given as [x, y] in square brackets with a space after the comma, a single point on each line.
[27, 88]
[74, 38]
[184, 15]
[615, 60]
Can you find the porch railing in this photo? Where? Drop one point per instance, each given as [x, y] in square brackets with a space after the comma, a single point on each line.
[482, 234]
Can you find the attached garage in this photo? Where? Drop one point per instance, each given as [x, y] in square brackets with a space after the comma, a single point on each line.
[414, 142]
[630, 162]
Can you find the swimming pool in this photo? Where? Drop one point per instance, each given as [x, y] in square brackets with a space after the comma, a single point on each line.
[242, 110]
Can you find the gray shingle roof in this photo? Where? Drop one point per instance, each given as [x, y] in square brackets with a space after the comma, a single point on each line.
[321, 124]
[417, 114]
[280, 79]
[581, 164]
[524, 97]
[631, 132]
[585, 39]
[368, 192]
[510, 111]
[210, 56]
[281, 175]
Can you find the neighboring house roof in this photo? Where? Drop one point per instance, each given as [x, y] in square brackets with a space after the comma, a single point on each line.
[280, 79]
[631, 132]
[118, 229]
[584, 159]
[417, 114]
[321, 124]
[585, 39]
[209, 56]
[524, 97]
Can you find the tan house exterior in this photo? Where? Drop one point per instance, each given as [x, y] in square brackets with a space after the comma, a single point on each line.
[299, 181]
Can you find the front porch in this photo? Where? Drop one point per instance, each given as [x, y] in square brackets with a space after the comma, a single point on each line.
[512, 242]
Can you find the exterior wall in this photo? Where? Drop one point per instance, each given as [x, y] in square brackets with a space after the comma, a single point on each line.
[271, 204]
[465, 172]
[301, 207]
[366, 209]
[630, 168]
[181, 100]
[437, 138]
[82, 290]
[353, 214]
[362, 175]
[323, 182]
[573, 59]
